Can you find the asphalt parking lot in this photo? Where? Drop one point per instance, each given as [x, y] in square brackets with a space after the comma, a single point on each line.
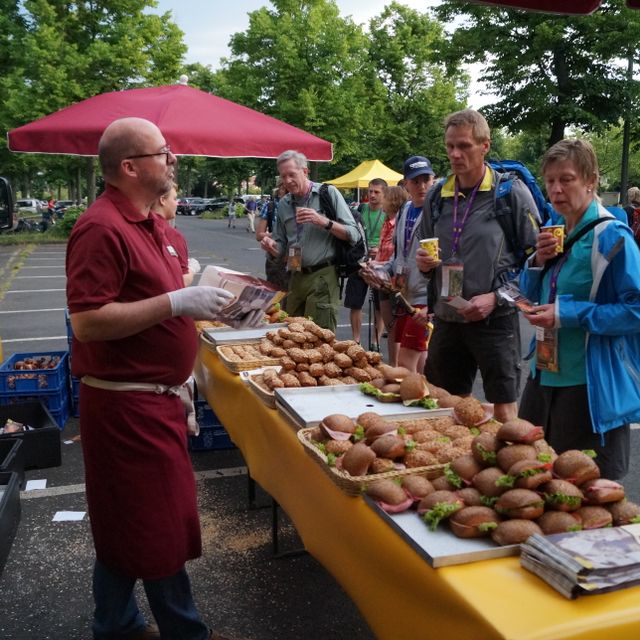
[240, 587]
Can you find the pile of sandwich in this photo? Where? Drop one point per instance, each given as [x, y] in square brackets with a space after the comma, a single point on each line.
[372, 444]
[512, 484]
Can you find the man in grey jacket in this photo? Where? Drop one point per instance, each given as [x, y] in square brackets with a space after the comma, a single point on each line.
[473, 328]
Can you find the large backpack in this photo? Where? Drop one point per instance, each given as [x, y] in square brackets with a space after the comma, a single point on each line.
[507, 172]
[348, 256]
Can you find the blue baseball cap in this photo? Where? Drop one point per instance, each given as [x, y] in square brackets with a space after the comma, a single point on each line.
[417, 166]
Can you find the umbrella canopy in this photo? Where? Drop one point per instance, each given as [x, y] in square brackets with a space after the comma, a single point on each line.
[363, 174]
[575, 7]
[192, 121]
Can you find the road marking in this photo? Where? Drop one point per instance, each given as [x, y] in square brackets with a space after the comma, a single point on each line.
[34, 339]
[62, 275]
[33, 290]
[69, 489]
[32, 310]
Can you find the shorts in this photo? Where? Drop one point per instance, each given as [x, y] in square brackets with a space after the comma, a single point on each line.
[355, 292]
[411, 334]
[459, 349]
[563, 413]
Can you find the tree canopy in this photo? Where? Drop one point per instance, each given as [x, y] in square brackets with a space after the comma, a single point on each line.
[549, 72]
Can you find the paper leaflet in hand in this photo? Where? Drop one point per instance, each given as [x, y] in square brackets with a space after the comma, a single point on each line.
[250, 293]
[513, 296]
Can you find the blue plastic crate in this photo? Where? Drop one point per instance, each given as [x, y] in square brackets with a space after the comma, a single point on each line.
[75, 396]
[205, 416]
[53, 400]
[75, 387]
[210, 438]
[67, 321]
[61, 416]
[39, 380]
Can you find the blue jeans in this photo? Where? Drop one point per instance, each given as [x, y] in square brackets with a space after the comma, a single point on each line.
[170, 599]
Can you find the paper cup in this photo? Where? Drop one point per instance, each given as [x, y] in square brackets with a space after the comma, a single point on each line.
[558, 231]
[430, 245]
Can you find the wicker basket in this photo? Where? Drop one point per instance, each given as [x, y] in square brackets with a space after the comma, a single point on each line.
[235, 366]
[355, 485]
[267, 396]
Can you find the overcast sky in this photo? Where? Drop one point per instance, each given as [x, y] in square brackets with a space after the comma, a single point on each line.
[209, 24]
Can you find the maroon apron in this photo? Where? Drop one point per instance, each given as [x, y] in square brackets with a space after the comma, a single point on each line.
[140, 485]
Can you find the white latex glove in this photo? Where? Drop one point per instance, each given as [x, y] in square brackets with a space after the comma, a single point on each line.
[199, 303]
[252, 319]
[193, 265]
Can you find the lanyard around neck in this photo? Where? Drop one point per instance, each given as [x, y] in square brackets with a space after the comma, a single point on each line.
[458, 225]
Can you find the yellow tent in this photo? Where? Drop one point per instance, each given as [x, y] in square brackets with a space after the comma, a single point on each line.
[364, 173]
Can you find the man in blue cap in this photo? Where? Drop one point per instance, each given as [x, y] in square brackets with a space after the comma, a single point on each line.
[410, 331]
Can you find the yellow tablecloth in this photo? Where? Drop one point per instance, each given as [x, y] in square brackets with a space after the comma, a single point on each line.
[398, 593]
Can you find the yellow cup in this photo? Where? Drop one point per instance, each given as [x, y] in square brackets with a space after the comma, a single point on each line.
[430, 245]
[558, 231]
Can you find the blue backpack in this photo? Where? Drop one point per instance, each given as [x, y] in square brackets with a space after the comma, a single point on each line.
[507, 171]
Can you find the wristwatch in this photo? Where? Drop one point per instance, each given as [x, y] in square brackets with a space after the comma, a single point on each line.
[328, 225]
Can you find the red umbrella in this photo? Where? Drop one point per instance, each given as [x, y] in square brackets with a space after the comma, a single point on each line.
[575, 7]
[192, 121]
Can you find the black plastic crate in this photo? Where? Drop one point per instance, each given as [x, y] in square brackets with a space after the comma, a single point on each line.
[9, 513]
[12, 458]
[41, 445]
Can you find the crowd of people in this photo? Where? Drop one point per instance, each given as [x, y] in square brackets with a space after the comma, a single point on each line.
[444, 313]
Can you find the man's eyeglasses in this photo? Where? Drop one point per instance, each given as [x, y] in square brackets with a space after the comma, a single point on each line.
[165, 152]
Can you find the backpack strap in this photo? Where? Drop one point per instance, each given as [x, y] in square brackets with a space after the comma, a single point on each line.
[506, 216]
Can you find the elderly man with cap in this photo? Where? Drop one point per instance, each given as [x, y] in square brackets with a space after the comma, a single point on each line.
[411, 331]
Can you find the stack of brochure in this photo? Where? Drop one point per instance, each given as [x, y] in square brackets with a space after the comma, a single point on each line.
[585, 562]
[250, 293]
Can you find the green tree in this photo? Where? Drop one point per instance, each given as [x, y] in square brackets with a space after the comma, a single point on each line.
[415, 89]
[304, 64]
[71, 51]
[548, 71]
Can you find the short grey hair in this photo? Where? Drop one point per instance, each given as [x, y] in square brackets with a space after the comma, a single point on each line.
[299, 158]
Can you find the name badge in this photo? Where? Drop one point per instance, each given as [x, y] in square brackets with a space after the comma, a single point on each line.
[172, 251]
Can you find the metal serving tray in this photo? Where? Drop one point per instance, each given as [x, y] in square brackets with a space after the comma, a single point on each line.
[228, 335]
[307, 406]
[440, 548]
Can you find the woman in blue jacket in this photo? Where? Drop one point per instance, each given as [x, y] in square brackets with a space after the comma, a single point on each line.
[584, 387]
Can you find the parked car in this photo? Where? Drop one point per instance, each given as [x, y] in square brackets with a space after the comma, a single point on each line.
[191, 206]
[62, 205]
[29, 206]
[212, 204]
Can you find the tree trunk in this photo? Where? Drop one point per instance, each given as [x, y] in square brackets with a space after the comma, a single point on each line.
[562, 74]
[91, 180]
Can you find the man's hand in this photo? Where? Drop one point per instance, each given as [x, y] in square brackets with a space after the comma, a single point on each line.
[372, 277]
[200, 303]
[425, 261]
[479, 307]
[270, 246]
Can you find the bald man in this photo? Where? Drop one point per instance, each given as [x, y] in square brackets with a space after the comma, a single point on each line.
[134, 347]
